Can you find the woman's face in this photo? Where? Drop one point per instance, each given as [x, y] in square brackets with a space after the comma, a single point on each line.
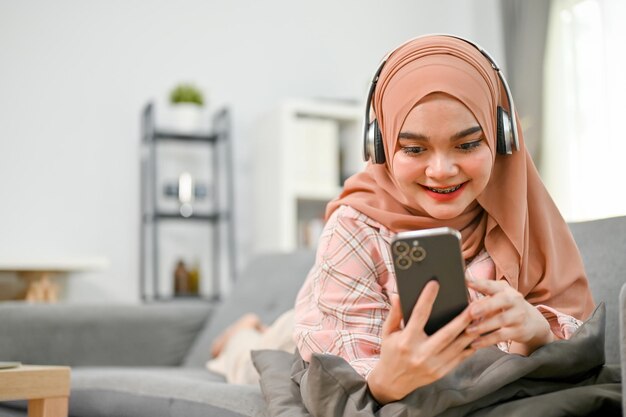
[442, 162]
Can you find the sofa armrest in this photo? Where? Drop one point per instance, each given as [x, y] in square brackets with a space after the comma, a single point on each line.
[99, 335]
[622, 342]
[267, 287]
[602, 244]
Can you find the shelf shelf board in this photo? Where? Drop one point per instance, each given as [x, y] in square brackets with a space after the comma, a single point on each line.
[187, 298]
[331, 109]
[212, 217]
[164, 135]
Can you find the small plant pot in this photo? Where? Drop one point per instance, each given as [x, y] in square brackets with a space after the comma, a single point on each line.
[187, 117]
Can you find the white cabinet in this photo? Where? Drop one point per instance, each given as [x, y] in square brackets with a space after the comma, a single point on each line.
[305, 150]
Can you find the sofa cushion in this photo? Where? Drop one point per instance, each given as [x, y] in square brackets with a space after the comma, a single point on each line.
[6, 411]
[71, 334]
[602, 244]
[155, 392]
[267, 287]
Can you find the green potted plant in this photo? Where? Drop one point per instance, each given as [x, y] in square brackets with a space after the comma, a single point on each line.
[187, 101]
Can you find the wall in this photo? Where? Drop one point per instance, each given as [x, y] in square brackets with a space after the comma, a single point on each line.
[74, 76]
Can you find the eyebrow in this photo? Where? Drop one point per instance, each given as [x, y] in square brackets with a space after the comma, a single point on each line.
[456, 136]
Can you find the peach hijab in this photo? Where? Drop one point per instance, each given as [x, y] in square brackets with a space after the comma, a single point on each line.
[514, 219]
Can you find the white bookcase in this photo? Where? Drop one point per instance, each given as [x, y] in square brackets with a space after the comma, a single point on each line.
[305, 149]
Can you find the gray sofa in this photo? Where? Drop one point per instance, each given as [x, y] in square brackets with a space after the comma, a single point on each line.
[148, 360]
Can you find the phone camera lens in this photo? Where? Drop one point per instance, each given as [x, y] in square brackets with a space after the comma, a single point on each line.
[401, 248]
[403, 262]
[418, 253]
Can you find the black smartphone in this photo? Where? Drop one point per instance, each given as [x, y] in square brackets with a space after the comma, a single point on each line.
[420, 256]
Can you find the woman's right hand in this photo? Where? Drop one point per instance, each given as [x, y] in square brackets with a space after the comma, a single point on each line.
[409, 358]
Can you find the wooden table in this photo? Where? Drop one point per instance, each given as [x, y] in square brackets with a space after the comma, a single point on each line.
[36, 273]
[47, 388]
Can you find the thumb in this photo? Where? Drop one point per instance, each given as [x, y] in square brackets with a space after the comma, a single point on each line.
[393, 323]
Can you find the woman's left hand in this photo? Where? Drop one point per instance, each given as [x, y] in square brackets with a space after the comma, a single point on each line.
[502, 315]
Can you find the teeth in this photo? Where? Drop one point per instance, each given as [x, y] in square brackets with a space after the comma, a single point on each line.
[445, 190]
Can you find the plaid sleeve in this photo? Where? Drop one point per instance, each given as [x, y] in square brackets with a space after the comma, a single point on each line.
[344, 302]
[562, 325]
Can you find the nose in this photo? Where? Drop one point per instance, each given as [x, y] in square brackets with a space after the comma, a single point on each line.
[441, 166]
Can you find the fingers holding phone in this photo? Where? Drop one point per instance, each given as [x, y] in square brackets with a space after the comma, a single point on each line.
[409, 357]
[430, 275]
[423, 307]
[432, 300]
[420, 314]
[505, 315]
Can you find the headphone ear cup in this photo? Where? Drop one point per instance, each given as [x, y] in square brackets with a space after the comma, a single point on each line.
[379, 148]
[503, 132]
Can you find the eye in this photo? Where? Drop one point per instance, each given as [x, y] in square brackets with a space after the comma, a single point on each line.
[470, 146]
[413, 150]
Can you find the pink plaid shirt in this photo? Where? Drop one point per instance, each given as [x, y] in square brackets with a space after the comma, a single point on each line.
[344, 301]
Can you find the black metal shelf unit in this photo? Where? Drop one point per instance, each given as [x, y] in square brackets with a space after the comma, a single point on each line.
[220, 218]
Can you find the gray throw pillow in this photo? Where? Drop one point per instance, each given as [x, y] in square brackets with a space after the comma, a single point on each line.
[329, 386]
[282, 396]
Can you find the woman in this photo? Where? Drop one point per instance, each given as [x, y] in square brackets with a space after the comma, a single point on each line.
[438, 105]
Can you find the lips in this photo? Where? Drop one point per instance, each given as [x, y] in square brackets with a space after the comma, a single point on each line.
[445, 190]
[445, 194]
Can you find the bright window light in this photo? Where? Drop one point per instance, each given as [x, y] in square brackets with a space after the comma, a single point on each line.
[583, 160]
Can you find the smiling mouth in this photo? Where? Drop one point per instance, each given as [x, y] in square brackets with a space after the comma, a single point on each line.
[444, 190]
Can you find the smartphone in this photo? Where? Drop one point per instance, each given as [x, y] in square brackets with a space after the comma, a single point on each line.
[421, 256]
